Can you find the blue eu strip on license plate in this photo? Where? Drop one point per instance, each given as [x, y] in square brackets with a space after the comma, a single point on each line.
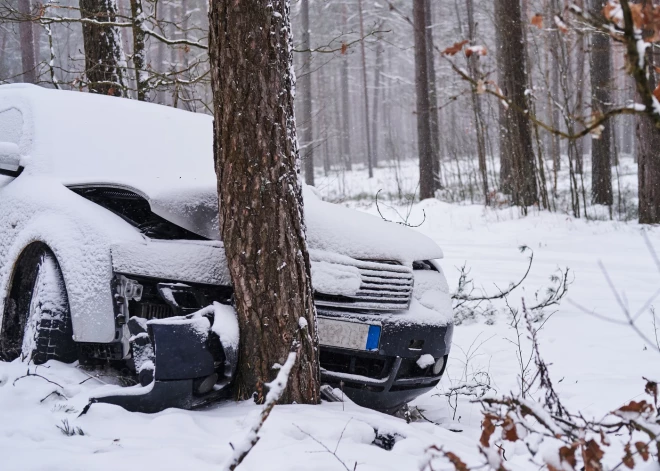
[373, 337]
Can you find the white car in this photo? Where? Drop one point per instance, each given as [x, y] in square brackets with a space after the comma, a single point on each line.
[109, 244]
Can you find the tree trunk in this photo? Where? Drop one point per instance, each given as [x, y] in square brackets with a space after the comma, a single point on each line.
[104, 56]
[307, 131]
[648, 160]
[26, 34]
[139, 51]
[516, 151]
[426, 180]
[476, 105]
[376, 101]
[433, 96]
[370, 161]
[261, 206]
[601, 148]
[345, 105]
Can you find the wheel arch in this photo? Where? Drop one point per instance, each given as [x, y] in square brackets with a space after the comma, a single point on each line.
[87, 274]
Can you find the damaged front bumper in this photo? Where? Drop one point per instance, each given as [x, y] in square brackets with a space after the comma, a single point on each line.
[181, 362]
[386, 377]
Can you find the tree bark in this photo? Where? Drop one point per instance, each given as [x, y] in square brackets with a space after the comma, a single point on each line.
[345, 105]
[307, 131]
[601, 148]
[648, 161]
[139, 51]
[105, 65]
[426, 180]
[261, 206]
[26, 34]
[433, 96]
[375, 133]
[476, 105]
[370, 161]
[517, 170]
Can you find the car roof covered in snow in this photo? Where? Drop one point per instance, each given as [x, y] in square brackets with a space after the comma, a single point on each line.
[82, 137]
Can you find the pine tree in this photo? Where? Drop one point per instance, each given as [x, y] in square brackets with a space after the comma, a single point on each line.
[261, 207]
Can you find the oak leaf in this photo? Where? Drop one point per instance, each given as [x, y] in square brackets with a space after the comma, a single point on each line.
[643, 450]
[487, 429]
[455, 49]
[537, 20]
[459, 465]
[509, 429]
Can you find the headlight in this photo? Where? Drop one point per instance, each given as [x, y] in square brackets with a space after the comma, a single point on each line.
[423, 265]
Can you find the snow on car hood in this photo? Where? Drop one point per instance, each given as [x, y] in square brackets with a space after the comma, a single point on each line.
[167, 155]
[330, 227]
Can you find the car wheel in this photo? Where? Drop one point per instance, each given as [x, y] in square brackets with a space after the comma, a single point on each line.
[36, 324]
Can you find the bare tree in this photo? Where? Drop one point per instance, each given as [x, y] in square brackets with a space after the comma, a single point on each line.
[370, 160]
[516, 151]
[434, 115]
[261, 207]
[601, 148]
[307, 131]
[425, 149]
[27, 43]
[648, 143]
[105, 63]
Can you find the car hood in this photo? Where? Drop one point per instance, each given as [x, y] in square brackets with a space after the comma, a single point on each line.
[330, 227]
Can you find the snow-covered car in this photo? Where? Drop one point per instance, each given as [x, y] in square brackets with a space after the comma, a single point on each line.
[109, 246]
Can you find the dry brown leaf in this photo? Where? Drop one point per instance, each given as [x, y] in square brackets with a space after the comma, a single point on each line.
[591, 455]
[456, 461]
[643, 450]
[537, 20]
[641, 406]
[487, 429]
[455, 49]
[344, 48]
[509, 429]
[111, 91]
[628, 459]
[567, 455]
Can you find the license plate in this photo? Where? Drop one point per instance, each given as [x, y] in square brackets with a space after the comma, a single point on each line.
[351, 335]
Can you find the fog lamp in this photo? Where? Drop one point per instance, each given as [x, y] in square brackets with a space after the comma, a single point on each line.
[437, 368]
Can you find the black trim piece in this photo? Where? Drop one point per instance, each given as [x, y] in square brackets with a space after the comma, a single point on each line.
[12, 173]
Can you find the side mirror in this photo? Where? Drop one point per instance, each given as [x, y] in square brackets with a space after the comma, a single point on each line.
[10, 159]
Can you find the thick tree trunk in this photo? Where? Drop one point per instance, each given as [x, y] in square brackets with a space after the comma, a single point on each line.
[261, 217]
[26, 34]
[307, 130]
[370, 160]
[648, 161]
[426, 180]
[601, 148]
[433, 96]
[516, 151]
[105, 65]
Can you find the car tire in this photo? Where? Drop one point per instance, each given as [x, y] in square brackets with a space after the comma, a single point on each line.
[36, 324]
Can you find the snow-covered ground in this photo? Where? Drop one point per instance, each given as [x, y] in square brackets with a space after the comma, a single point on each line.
[596, 365]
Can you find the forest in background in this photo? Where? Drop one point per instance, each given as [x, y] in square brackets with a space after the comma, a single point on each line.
[382, 83]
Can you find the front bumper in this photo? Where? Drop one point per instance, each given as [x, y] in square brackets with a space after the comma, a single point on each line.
[389, 377]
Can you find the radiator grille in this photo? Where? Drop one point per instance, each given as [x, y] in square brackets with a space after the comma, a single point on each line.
[385, 286]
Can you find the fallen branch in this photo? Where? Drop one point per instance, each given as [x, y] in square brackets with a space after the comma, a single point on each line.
[276, 388]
